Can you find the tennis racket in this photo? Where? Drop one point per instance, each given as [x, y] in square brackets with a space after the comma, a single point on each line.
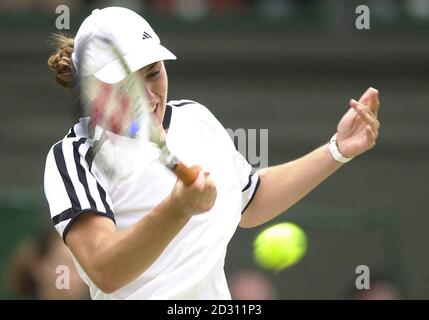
[124, 109]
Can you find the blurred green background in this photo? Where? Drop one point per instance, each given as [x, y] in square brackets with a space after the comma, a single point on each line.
[289, 66]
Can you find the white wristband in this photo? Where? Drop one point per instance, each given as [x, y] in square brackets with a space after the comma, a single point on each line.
[335, 152]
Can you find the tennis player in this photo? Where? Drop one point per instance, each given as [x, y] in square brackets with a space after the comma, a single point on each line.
[149, 236]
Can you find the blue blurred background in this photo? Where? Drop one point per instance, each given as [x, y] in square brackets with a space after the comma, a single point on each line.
[283, 65]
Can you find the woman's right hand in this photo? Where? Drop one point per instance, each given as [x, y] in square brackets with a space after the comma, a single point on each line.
[197, 198]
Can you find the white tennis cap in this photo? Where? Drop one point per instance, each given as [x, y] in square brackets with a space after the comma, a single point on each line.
[133, 36]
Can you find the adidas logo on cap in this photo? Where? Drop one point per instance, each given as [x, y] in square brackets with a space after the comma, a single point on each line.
[146, 35]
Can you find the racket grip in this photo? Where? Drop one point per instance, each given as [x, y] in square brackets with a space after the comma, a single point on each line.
[186, 174]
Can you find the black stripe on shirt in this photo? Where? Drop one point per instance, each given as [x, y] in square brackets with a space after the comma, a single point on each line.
[81, 171]
[93, 150]
[181, 104]
[167, 117]
[62, 168]
[253, 195]
[67, 228]
[248, 184]
[103, 197]
[71, 134]
[63, 216]
[70, 214]
[89, 157]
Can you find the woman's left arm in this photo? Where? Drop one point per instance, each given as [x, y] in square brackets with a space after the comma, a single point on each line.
[282, 186]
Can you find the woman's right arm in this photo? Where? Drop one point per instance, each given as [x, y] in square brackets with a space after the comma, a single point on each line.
[114, 258]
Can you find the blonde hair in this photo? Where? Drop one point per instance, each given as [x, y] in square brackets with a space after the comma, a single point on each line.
[60, 62]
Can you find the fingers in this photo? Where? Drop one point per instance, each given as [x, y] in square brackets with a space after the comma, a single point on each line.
[366, 114]
[371, 99]
[371, 136]
[210, 192]
[197, 198]
[200, 182]
[206, 190]
[375, 100]
[209, 183]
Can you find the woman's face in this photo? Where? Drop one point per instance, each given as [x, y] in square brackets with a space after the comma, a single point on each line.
[156, 85]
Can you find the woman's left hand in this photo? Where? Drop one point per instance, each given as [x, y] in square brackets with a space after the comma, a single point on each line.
[357, 131]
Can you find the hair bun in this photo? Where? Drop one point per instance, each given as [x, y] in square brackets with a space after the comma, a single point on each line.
[60, 62]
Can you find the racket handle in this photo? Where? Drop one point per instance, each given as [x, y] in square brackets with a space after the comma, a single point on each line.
[186, 174]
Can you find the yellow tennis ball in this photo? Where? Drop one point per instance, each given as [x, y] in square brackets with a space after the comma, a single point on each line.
[280, 246]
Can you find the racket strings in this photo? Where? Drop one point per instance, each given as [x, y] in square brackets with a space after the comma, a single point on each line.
[111, 108]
